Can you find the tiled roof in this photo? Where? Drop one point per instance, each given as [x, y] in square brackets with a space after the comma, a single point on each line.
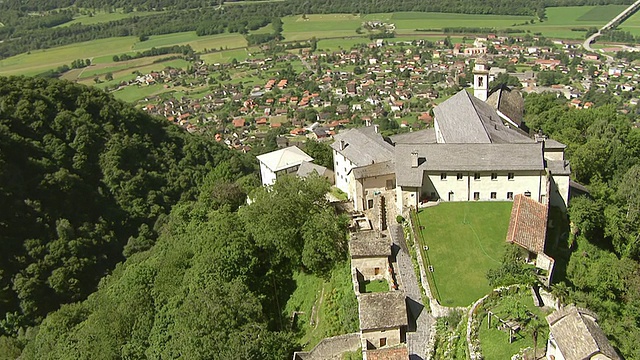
[363, 146]
[399, 352]
[377, 169]
[385, 310]
[578, 335]
[369, 244]
[528, 224]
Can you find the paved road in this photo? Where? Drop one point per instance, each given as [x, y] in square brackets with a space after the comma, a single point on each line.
[611, 24]
[420, 320]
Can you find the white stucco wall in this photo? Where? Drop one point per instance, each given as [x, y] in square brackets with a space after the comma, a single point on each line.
[464, 189]
[554, 154]
[553, 352]
[268, 177]
[342, 166]
[561, 198]
[406, 197]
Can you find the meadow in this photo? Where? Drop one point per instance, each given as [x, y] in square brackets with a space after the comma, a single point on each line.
[103, 16]
[465, 240]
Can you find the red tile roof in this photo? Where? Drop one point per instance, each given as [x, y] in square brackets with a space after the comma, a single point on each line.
[528, 224]
[394, 353]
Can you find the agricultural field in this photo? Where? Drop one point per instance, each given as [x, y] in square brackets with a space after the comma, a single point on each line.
[560, 20]
[465, 240]
[102, 51]
[103, 17]
[632, 24]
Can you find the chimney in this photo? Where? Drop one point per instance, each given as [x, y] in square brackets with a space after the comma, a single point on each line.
[414, 159]
[375, 127]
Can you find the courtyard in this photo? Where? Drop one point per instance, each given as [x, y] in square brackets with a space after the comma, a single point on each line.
[459, 242]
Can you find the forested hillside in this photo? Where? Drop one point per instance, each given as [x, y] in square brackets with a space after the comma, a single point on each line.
[599, 261]
[214, 286]
[84, 181]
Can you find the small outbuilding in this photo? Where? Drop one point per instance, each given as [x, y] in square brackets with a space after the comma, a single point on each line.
[575, 335]
[383, 319]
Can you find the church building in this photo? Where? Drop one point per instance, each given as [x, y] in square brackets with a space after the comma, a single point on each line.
[473, 152]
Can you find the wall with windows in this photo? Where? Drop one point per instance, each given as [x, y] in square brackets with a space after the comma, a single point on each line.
[483, 186]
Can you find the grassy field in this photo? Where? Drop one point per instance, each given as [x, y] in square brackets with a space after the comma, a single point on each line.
[198, 43]
[632, 24]
[225, 56]
[560, 21]
[374, 286]
[102, 17]
[326, 308]
[495, 343]
[465, 239]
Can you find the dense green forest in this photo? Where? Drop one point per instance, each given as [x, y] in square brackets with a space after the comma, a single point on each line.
[23, 30]
[87, 182]
[84, 181]
[599, 259]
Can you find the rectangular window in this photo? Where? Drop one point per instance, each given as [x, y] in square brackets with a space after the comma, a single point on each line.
[510, 176]
[494, 176]
[494, 195]
[510, 195]
[443, 176]
[527, 193]
[459, 176]
[476, 176]
[476, 196]
[383, 342]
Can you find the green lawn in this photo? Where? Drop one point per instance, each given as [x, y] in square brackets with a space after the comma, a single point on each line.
[225, 56]
[495, 343]
[465, 239]
[374, 286]
[336, 306]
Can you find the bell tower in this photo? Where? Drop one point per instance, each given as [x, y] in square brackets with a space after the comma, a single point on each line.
[481, 79]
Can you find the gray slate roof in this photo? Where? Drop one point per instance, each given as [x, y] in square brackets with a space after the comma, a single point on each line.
[426, 136]
[363, 146]
[307, 168]
[559, 167]
[369, 244]
[465, 157]
[465, 119]
[385, 310]
[578, 335]
[377, 169]
[509, 102]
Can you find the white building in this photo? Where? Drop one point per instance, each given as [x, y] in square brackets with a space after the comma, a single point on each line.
[283, 161]
[472, 153]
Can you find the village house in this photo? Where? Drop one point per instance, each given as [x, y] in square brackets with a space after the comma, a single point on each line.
[283, 161]
[383, 319]
[575, 335]
[370, 252]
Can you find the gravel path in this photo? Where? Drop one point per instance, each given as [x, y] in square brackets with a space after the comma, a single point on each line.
[420, 320]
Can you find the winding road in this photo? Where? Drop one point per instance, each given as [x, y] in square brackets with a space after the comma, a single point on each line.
[611, 25]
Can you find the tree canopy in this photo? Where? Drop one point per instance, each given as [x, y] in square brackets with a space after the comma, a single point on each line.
[84, 176]
[599, 263]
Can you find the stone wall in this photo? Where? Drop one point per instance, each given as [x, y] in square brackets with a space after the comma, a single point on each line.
[331, 348]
